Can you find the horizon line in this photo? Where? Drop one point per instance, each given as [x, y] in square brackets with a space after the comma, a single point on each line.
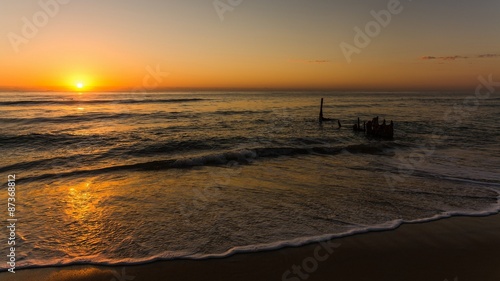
[224, 89]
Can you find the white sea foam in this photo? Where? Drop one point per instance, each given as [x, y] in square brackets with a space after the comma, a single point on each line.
[387, 226]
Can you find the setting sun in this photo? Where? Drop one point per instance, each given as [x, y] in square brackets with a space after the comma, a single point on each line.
[79, 85]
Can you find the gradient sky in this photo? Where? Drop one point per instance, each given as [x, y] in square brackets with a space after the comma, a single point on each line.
[271, 44]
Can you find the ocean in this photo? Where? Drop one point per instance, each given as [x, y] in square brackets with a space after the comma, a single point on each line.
[126, 178]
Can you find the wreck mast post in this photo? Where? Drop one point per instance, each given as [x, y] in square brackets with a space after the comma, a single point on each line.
[321, 111]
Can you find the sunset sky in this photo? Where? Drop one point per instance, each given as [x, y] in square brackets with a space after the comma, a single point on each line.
[259, 44]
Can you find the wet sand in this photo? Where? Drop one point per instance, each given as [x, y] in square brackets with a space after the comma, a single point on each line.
[459, 248]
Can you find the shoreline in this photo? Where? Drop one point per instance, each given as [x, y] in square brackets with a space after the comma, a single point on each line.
[465, 247]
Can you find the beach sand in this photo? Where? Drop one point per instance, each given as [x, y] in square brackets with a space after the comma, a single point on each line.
[459, 248]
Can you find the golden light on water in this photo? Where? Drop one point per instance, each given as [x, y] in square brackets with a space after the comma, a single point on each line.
[79, 201]
[84, 218]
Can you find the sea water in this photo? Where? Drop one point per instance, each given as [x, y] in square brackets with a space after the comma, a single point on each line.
[119, 178]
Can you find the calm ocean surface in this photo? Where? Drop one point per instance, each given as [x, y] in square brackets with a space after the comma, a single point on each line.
[128, 178]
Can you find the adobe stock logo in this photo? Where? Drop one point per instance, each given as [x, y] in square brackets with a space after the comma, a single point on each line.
[123, 276]
[31, 27]
[221, 7]
[152, 80]
[363, 38]
[310, 264]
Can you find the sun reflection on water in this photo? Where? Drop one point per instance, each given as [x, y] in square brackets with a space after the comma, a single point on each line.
[84, 218]
[80, 202]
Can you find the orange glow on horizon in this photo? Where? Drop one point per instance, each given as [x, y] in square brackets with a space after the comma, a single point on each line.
[281, 51]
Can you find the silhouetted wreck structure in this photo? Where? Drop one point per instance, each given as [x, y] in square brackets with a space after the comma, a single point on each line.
[371, 128]
[323, 119]
[357, 127]
[374, 129]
